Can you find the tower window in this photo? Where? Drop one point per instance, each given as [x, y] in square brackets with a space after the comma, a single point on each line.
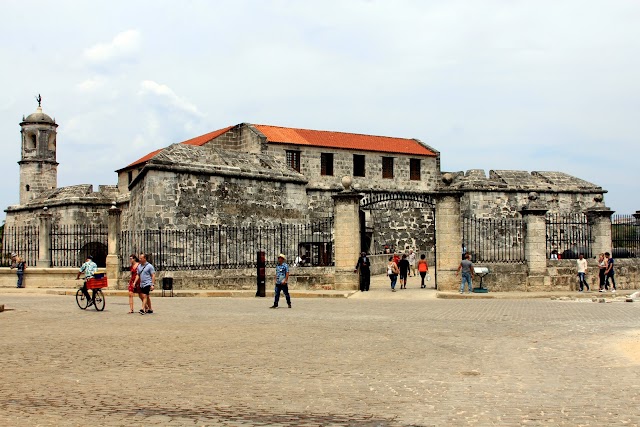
[293, 160]
[326, 164]
[358, 165]
[414, 169]
[52, 142]
[387, 167]
[30, 142]
[27, 187]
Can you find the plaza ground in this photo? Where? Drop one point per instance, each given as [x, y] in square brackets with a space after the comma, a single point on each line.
[376, 359]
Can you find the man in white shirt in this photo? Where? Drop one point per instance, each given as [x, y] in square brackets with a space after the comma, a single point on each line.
[582, 271]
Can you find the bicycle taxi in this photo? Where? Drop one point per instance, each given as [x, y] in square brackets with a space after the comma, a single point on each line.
[95, 285]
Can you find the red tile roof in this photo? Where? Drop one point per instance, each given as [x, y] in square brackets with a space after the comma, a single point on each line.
[198, 140]
[316, 138]
[348, 141]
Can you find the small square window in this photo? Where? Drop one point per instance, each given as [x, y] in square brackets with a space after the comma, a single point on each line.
[414, 169]
[326, 164]
[358, 165]
[387, 167]
[293, 160]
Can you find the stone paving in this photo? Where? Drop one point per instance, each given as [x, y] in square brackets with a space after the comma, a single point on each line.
[406, 360]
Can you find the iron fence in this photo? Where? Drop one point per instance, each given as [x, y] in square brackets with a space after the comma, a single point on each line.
[625, 236]
[71, 244]
[569, 235]
[23, 241]
[220, 247]
[494, 240]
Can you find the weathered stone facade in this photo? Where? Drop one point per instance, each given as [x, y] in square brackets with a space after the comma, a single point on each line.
[260, 175]
[503, 193]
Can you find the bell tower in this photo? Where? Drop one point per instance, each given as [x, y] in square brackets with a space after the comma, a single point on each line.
[38, 166]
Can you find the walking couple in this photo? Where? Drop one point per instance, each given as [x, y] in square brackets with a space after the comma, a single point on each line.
[143, 276]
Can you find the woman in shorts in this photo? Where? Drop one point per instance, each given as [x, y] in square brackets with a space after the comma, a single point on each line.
[133, 289]
[392, 272]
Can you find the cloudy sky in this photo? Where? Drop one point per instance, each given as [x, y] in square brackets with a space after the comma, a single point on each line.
[492, 84]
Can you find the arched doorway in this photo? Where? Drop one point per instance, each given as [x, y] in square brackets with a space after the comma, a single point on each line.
[397, 222]
[97, 250]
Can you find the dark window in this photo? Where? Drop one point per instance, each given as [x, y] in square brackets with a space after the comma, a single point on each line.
[358, 165]
[414, 169]
[293, 160]
[28, 188]
[326, 164]
[130, 176]
[387, 167]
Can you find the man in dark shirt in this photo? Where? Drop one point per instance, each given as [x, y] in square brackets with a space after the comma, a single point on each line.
[609, 273]
[403, 265]
[365, 273]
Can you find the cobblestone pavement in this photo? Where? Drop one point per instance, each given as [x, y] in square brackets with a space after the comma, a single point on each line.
[347, 362]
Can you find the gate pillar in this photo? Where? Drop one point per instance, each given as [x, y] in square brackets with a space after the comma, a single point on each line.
[44, 239]
[113, 260]
[599, 218]
[448, 240]
[346, 208]
[535, 242]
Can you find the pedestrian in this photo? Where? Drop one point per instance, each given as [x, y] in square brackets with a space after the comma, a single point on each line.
[392, 272]
[403, 266]
[396, 258]
[609, 273]
[146, 278]
[134, 285]
[412, 262]
[554, 254]
[20, 265]
[582, 271]
[602, 266]
[423, 269]
[466, 266]
[89, 268]
[364, 265]
[14, 256]
[282, 281]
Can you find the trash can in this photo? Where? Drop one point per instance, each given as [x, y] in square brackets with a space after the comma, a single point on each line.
[261, 264]
[167, 285]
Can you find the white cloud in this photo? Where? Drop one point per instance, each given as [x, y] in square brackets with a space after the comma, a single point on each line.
[91, 84]
[123, 46]
[168, 96]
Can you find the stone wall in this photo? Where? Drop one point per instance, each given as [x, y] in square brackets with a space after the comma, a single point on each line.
[241, 138]
[183, 200]
[402, 227]
[373, 181]
[501, 204]
[41, 278]
[307, 278]
[36, 178]
[564, 277]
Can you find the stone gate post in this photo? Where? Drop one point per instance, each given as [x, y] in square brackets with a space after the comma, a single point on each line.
[346, 208]
[448, 240]
[113, 260]
[44, 239]
[599, 219]
[535, 242]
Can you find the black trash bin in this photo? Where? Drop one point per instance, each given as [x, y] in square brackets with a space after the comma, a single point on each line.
[167, 285]
[261, 264]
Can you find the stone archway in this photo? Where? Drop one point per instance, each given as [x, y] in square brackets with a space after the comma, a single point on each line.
[398, 222]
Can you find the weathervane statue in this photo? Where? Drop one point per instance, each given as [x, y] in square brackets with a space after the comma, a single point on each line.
[39, 99]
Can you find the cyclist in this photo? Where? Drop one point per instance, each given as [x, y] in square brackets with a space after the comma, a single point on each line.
[89, 269]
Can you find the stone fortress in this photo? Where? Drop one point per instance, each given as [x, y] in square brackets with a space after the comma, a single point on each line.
[252, 174]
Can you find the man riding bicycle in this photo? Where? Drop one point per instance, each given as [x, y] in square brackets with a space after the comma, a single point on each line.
[89, 269]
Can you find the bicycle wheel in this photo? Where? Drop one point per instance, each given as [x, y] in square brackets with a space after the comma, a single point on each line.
[81, 300]
[98, 300]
